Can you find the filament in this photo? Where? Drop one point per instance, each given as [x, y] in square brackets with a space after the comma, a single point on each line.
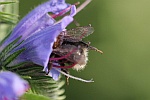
[57, 15]
[81, 7]
[63, 57]
[73, 77]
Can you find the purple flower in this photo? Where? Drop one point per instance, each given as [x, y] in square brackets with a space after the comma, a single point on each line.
[39, 31]
[39, 46]
[37, 20]
[53, 72]
[11, 86]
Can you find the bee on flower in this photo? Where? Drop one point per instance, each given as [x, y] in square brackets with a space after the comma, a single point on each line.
[47, 42]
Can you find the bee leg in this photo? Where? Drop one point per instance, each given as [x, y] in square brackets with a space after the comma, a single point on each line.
[67, 80]
[67, 72]
[49, 67]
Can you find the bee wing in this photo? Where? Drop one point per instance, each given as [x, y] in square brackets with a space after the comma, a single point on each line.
[77, 34]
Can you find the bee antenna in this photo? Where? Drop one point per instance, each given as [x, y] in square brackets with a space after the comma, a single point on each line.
[95, 49]
[73, 77]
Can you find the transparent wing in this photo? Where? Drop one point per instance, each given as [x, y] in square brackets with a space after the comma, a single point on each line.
[78, 33]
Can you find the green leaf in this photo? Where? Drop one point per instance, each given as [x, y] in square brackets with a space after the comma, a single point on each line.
[46, 86]
[8, 48]
[6, 57]
[1, 42]
[1, 3]
[39, 82]
[31, 96]
[8, 16]
[7, 20]
[3, 13]
[10, 58]
[15, 66]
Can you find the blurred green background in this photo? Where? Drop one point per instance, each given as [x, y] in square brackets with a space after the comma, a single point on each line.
[122, 32]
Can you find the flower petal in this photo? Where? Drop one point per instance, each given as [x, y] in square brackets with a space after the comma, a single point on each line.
[54, 74]
[53, 6]
[67, 19]
[29, 24]
[73, 10]
[11, 86]
[39, 45]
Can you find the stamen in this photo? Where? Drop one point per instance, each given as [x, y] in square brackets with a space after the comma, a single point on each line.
[61, 13]
[63, 57]
[80, 7]
[83, 5]
[57, 15]
[73, 77]
[66, 67]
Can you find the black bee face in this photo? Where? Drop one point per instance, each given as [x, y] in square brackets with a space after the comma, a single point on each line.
[72, 49]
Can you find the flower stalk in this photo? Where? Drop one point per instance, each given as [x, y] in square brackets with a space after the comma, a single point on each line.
[9, 12]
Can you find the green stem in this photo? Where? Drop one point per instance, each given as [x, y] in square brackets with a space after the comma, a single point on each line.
[11, 8]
